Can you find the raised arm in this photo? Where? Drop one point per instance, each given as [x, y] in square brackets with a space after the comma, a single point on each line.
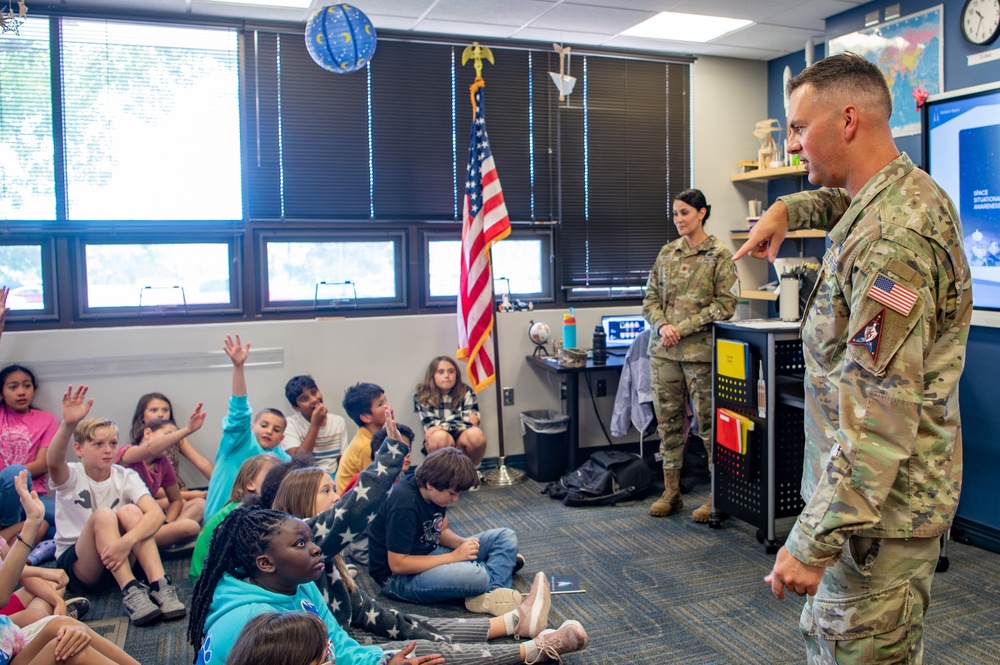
[238, 354]
[154, 447]
[334, 529]
[13, 564]
[75, 406]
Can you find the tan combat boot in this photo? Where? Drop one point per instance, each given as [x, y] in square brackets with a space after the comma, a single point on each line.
[701, 514]
[671, 499]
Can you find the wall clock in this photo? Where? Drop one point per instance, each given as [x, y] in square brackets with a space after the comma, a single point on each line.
[981, 21]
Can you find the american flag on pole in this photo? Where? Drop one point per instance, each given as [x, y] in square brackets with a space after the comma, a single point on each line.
[484, 222]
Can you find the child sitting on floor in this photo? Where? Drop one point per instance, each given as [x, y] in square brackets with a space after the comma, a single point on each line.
[449, 411]
[312, 429]
[249, 480]
[49, 639]
[241, 437]
[146, 455]
[156, 406]
[415, 556]
[105, 515]
[289, 638]
[264, 561]
[365, 404]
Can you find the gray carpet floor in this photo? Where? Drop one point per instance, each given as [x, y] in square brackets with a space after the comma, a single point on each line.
[657, 590]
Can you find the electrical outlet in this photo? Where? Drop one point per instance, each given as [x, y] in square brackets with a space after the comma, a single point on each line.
[602, 387]
[508, 397]
[562, 391]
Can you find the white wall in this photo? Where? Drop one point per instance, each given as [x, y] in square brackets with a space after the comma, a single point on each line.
[187, 364]
[729, 97]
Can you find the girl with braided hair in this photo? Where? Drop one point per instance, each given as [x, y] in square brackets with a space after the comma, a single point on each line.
[261, 561]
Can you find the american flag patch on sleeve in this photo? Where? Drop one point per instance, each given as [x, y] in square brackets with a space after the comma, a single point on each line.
[893, 295]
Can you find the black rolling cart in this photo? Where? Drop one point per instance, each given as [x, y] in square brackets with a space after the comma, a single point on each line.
[761, 485]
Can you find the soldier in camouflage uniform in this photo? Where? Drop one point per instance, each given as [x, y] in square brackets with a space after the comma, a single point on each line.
[691, 285]
[884, 339]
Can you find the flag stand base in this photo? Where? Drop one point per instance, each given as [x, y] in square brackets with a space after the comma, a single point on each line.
[503, 475]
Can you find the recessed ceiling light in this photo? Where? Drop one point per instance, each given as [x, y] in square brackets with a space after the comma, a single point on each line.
[285, 4]
[686, 27]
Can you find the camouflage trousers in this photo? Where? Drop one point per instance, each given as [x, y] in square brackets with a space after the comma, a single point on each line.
[870, 606]
[672, 382]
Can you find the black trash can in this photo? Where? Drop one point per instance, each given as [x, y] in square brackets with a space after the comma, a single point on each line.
[546, 444]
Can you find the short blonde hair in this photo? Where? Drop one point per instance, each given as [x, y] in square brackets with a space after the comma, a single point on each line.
[85, 430]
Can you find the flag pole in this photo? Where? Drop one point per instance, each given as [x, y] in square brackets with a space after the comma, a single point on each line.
[503, 475]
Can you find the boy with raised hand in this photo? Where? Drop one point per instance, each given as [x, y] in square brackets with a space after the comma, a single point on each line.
[415, 556]
[312, 429]
[105, 515]
[366, 405]
[242, 437]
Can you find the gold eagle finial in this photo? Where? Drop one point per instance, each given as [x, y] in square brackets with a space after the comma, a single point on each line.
[477, 53]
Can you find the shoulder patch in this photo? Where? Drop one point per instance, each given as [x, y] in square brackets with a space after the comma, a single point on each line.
[870, 335]
[895, 295]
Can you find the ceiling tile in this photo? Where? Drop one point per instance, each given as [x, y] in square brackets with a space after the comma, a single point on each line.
[587, 18]
[475, 31]
[508, 12]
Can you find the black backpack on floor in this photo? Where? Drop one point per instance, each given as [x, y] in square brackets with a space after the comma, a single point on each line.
[609, 476]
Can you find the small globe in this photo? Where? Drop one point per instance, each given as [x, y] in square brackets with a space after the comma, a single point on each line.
[539, 333]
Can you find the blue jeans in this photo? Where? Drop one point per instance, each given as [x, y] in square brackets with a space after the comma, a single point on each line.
[10, 503]
[492, 569]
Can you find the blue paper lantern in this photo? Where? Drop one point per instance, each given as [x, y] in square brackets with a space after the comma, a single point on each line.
[340, 38]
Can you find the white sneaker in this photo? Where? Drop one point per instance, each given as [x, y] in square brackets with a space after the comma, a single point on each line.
[497, 602]
[533, 612]
[552, 644]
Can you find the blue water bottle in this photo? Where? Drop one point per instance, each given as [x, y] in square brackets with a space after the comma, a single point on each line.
[569, 329]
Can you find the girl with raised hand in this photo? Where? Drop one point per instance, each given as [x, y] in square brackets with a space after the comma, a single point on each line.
[146, 455]
[263, 561]
[153, 406]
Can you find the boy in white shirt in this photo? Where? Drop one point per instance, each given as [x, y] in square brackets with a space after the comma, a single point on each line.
[105, 516]
[312, 429]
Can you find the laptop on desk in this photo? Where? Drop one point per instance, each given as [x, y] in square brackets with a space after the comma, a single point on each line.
[621, 330]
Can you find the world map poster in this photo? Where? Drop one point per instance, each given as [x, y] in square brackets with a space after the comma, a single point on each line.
[910, 54]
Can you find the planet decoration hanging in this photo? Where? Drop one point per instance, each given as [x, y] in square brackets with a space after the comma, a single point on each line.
[340, 38]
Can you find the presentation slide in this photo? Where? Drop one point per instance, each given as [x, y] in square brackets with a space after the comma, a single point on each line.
[963, 151]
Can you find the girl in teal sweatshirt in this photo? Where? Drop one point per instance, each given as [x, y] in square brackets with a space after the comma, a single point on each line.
[265, 561]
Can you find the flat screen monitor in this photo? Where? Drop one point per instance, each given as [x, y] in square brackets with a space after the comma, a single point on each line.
[962, 152]
[620, 330]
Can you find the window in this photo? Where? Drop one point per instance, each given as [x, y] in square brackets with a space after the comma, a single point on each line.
[625, 152]
[27, 181]
[355, 271]
[136, 154]
[21, 272]
[152, 123]
[521, 267]
[158, 278]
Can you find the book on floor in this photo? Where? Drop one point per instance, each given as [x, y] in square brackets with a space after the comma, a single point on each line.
[564, 583]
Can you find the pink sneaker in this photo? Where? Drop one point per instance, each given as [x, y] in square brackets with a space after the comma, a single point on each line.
[552, 644]
[533, 612]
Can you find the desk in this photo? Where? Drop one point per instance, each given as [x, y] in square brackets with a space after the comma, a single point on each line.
[572, 374]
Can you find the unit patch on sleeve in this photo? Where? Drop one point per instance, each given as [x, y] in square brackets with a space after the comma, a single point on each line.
[894, 295]
[870, 335]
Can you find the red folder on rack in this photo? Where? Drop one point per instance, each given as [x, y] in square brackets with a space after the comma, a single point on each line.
[731, 430]
[727, 430]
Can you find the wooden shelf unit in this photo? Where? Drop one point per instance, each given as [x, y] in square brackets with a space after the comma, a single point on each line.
[792, 235]
[796, 171]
